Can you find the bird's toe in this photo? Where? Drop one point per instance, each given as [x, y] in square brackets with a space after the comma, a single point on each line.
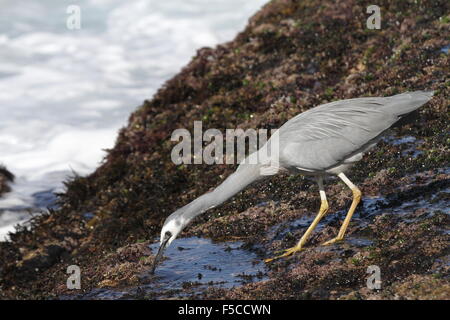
[287, 252]
[332, 241]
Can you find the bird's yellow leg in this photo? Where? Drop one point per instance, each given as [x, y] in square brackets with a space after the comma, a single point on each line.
[322, 211]
[356, 199]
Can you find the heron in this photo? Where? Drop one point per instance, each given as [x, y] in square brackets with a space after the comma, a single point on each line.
[322, 141]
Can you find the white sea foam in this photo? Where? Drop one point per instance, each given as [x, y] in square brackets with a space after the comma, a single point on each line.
[65, 93]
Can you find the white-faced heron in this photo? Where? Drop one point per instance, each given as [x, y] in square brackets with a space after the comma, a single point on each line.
[325, 140]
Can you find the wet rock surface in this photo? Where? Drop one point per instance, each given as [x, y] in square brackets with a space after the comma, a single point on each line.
[189, 268]
[292, 56]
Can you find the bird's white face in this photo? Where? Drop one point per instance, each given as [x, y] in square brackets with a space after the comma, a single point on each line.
[171, 229]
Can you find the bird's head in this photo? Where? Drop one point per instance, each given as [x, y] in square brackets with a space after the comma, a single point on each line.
[172, 227]
[177, 221]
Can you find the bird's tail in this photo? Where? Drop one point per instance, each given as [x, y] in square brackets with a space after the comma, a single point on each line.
[404, 103]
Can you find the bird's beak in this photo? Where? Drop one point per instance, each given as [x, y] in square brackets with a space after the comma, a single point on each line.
[162, 247]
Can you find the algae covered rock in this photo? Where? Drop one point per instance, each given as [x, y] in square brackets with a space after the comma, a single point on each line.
[292, 56]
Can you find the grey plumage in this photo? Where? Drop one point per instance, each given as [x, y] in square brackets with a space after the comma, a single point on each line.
[323, 140]
[324, 137]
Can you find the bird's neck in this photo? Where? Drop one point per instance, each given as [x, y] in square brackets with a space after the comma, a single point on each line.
[241, 178]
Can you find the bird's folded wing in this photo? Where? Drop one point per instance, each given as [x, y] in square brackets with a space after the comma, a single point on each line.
[325, 136]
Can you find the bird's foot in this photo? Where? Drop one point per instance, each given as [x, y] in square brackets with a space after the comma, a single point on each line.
[287, 252]
[332, 241]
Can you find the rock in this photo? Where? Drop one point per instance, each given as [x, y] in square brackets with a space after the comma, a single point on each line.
[41, 258]
[133, 252]
[423, 287]
[107, 283]
[313, 52]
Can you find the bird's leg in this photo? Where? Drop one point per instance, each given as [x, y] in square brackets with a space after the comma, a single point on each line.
[322, 211]
[355, 202]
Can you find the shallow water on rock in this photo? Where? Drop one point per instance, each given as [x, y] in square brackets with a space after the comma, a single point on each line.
[203, 261]
[370, 207]
[410, 144]
[189, 267]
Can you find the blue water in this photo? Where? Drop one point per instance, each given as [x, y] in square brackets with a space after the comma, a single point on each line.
[445, 49]
[190, 266]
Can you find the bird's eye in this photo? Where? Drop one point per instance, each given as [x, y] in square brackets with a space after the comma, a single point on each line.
[168, 235]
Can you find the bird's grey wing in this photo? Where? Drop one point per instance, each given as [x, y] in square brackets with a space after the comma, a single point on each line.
[323, 137]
